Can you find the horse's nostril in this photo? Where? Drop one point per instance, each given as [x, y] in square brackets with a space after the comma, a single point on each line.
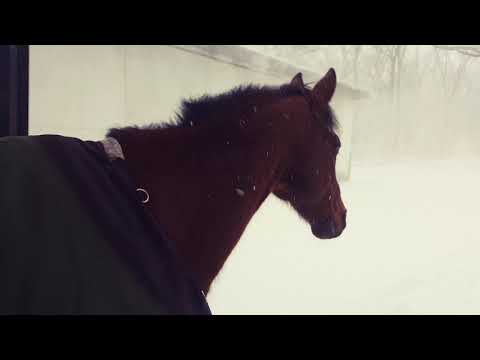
[323, 221]
[333, 229]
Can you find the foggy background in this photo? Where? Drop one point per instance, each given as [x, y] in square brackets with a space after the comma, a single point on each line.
[410, 153]
[422, 101]
[411, 244]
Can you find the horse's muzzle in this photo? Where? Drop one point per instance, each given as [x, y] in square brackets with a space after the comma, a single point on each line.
[328, 229]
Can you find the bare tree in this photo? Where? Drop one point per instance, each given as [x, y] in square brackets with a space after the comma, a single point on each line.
[472, 51]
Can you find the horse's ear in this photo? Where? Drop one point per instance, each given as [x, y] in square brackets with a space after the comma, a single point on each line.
[297, 81]
[325, 88]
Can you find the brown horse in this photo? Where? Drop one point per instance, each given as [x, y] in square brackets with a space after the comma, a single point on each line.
[209, 172]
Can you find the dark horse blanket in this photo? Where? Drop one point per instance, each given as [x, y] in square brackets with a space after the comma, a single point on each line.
[76, 239]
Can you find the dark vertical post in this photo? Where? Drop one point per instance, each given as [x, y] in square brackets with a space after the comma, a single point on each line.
[14, 62]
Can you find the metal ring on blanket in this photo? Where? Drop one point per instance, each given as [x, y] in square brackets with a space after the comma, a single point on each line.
[146, 194]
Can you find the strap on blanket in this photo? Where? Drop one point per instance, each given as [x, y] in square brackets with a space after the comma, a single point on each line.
[113, 149]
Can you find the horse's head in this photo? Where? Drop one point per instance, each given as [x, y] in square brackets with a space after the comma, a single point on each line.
[309, 182]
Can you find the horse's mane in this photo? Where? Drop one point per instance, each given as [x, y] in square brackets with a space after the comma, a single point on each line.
[240, 101]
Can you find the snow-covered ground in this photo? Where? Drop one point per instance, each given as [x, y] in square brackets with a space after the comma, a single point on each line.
[411, 246]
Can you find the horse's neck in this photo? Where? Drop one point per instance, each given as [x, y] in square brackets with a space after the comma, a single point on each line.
[204, 189]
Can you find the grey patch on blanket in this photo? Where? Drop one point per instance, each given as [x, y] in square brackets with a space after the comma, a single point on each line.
[113, 148]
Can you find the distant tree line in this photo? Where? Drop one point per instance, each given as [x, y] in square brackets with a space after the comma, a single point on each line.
[419, 95]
